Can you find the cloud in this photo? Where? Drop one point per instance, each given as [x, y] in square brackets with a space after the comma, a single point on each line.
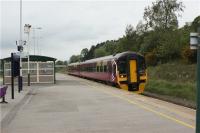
[69, 26]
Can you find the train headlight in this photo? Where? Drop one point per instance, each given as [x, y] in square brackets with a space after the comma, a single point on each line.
[121, 76]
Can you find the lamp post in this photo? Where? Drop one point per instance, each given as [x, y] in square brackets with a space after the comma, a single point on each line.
[195, 44]
[20, 49]
[27, 28]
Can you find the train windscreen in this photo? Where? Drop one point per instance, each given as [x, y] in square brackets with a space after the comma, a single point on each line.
[122, 67]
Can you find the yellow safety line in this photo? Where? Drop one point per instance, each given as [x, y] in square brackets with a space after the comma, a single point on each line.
[144, 107]
[153, 104]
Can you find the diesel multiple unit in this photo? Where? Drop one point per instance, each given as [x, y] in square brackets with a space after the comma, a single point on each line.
[126, 70]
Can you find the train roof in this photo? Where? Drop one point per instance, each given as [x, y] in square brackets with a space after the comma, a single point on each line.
[106, 58]
[72, 64]
[124, 54]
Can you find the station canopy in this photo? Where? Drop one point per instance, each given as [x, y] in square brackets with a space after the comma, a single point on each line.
[34, 58]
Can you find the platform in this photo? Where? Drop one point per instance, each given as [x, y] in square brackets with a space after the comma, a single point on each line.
[75, 105]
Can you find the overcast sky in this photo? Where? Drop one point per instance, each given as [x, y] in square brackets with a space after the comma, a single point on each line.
[69, 26]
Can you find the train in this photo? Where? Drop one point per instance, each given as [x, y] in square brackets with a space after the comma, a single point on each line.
[127, 70]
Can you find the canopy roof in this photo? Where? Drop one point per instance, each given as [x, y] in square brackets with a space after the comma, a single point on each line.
[34, 58]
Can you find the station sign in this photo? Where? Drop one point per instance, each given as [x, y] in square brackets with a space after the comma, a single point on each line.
[194, 40]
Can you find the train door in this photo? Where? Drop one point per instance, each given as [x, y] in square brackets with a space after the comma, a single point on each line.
[133, 71]
[113, 72]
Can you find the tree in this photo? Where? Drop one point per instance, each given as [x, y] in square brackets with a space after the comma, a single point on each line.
[65, 63]
[90, 54]
[150, 42]
[163, 14]
[169, 47]
[110, 47]
[140, 28]
[84, 53]
[129, 30]
[128, 42]
[59, 62]
[196, 23]
[74, 58]
[100, 52]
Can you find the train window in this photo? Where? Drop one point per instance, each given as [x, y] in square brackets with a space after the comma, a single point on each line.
[94, 69]
[105, 68]
[97, 68]
[101, 68]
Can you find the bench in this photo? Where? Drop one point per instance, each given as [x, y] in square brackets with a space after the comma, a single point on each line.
[3, 90]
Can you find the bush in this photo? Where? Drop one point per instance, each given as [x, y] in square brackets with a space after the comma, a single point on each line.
[188, 55]
[151, 59]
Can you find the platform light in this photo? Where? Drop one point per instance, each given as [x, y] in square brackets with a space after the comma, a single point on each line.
[27, 28]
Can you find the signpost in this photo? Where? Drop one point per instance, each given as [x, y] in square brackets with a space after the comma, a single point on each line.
[15, 71]
[198, 92]
[195, 44]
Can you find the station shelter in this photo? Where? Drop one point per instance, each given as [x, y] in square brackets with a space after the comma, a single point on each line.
[41, 69]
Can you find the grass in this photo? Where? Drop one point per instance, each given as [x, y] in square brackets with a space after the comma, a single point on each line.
[184, 91]
[175, 79]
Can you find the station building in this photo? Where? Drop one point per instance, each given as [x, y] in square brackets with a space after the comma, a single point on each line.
[42, 69]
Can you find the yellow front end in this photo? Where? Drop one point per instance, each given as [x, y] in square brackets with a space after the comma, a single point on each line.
[124, 82]
[120, 80]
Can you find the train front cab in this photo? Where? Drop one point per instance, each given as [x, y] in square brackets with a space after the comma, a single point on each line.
[131, 73]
